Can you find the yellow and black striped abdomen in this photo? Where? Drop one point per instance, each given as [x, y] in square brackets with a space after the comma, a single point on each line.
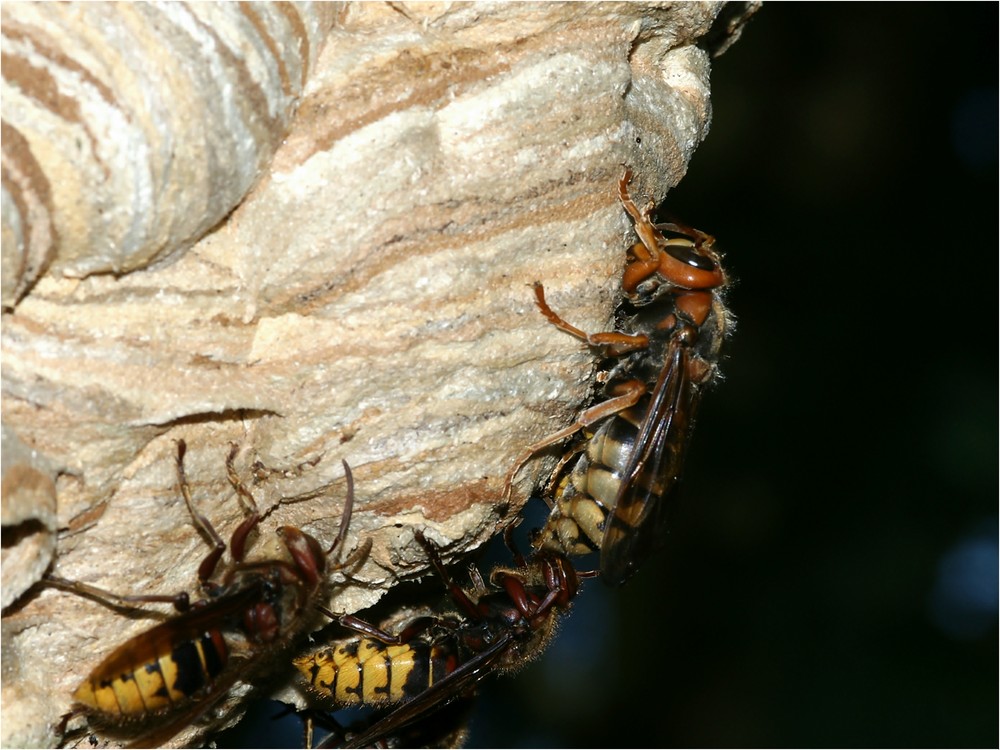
[587, 494]
[367, 671]
[154, 673]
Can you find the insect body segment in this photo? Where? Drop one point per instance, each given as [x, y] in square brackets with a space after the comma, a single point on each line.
[367, 671]
[434, 660]
[167, 666]
[179, 668]
[630, 456]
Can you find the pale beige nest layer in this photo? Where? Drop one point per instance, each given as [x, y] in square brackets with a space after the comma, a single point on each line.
[368, 300]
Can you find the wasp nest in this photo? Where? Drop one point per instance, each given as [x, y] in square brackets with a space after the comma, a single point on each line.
[311, 231]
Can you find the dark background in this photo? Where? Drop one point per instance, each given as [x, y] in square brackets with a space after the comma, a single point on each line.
[831, 576]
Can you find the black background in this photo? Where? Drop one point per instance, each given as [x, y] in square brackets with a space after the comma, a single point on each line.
[831, 573]
[831, 577]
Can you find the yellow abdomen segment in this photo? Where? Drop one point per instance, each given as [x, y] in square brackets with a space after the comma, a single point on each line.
[152, 674]
[367, 671]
